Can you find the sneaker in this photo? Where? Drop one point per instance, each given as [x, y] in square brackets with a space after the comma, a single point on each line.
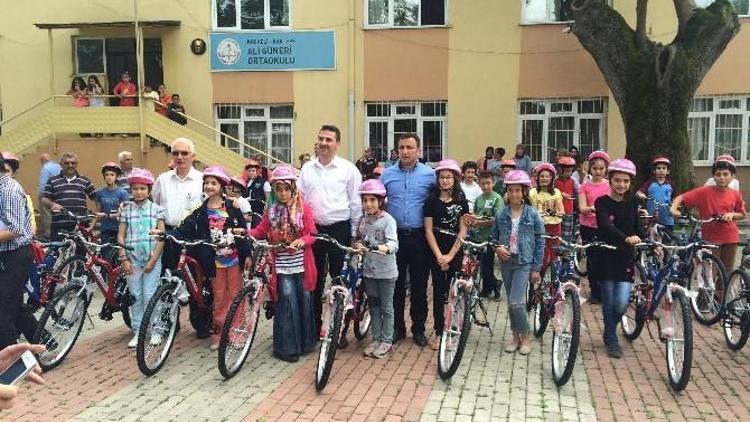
[343, 342]
[371, 348]
[155, 339]
[511, 347]
[420, 339]
[614, 351]
[399, 335]
[214, 347]
[382, 350]
[133, 341]
[435, 341]
[525, 349]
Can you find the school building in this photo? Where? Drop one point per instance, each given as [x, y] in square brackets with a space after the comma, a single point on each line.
[263, 75]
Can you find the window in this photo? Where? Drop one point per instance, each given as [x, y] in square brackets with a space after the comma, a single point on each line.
[547, 11]
[546, 126]
[386, 121]
[404, 13]
[741, 6]
[251, 14]
[265, 128]
[719, 125]
[90, 56]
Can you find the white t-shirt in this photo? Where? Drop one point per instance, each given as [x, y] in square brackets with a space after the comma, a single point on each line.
[179, 197]
[734, 184]
[472, 192]
[514, 235]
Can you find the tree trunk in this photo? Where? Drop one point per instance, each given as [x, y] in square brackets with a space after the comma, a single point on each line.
[654, 84]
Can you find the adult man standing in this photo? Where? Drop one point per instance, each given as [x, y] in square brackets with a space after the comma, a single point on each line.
[67, 190]
[330, 184]
[126, 164]
[48, 169]
[523, 161]
[366, 164]
[408, 185]
[179, 192]
[493, 165]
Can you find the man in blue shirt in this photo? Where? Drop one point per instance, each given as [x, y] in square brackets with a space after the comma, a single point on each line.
[49, 168]
[408, 184]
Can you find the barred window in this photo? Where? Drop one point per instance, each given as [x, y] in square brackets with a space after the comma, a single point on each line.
[268, 128]
[385, 121]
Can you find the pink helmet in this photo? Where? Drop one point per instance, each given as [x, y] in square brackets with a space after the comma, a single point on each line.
[517, 177]
[622, 165]
[283, 173]
[508, 163]
[546, 166]
[9, 156]
[661, 160]
[372, 187]
[142, 176]
[726, 158]
[448, 164]
[599, 154]
[110, 166]
[218, 172]
[567, 162]
[237, 181]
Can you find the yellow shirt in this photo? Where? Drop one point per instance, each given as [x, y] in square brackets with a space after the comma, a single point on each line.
[32, 217]
[544, 201]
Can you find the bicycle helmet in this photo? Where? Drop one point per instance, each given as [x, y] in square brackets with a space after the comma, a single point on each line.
[110, 166]
[236, 181]
[517, 177]
[724, 161]
[548, 167]
[142, 176]
[219, 172]
[661, 160]
[284, 173]
[252, 163]
[372, 187]
[450, 165]
[566, 162]
[507, 163]
[11, 160]
[599, 154]
[622, 165]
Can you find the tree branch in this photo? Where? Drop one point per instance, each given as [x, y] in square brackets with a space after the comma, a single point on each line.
[641, 10]
[684, 10]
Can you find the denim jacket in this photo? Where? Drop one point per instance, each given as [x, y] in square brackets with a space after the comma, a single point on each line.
[530, 229]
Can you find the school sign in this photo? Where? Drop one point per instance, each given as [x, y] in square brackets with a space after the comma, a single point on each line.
[273, 51]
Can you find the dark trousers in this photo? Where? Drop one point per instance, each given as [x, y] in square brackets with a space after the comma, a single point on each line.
[56, 228]
[441, 281]
[487, 268]
[589, 234]
[331, 257]
[413, 256]
[14, 271]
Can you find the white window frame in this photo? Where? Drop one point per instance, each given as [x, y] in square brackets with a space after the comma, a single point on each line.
[525, 21]
[240, 122]
[392, 117]
[75, 55]
[545, 117]
[698, 3]
[743, 111]
[238, 18]
[390, 25]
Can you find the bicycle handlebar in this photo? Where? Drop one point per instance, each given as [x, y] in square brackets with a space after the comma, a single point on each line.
[567, 244]
[103, 245]
[654, 244]
[482, 245]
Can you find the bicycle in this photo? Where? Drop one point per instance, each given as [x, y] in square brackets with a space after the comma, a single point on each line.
[557, 298]
[735, 322]
[461, 307]
[238, 332]
[654, 287]
[161, 317]
[64, 314]
[344, 301]
[45, 275]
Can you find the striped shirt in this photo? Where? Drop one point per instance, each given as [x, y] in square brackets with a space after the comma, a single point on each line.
[14, 213]
[139, 219]
[69, 193]
[290, 263]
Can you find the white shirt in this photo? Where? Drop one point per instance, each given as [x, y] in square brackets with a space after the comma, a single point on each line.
[332, 191]
[179, 197]
[471, 192]
[734, 184]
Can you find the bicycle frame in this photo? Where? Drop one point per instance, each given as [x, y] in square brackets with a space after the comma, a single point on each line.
[107, 286]
[194, 284]
[659, 283]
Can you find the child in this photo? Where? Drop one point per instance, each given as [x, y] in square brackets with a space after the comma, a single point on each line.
[150, 96]
[165, 99]
[236, 191]
[378, 230]
[126, 90]
[443, 210]
[258, 189]
[290, 221]
[659, 189]
[718, 200]
[108, 201]
[78, 92]
[174, 108]
[548, 202]
[505, 167]
[618, 223]
[142, 263]
[568, 187]
[518, 227]
[590, 192]
[469, 184]
[488, 204]
[581, 175]
[210, 221]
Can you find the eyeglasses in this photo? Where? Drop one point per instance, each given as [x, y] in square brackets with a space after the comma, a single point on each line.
[445, 177]
[69, 163]
[182, 153]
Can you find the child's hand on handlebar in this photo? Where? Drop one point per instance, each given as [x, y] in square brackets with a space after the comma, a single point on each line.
[632, 240]
[502, 253]
[297, 244]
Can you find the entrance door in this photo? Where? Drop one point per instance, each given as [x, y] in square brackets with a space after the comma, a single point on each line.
[121, 58]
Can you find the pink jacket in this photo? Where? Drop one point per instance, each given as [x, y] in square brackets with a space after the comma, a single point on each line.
[263, 231]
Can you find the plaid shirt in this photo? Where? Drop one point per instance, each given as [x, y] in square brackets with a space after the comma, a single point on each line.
[140, 219]
[14, 213]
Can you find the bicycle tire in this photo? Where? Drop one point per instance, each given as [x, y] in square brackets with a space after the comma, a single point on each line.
[80, 276]
[530, 294]
[145, 331]
[126, 317]
[678, 383]
[329, 345]
[717, 299]
[634, 317]
[465, 329]
[242, 306]
[575, 338]
[540, 311]
[54, 313]
[364, 322]
[735, 317]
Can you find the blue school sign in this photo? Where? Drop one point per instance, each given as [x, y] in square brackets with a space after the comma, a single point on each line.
[273, 51]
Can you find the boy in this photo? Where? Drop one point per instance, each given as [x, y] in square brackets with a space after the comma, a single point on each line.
[469, 185]
[108, 201]
[659, 192]
[568, 187]
[257, 190]
[488, 204]
[174, 107]
[505, 167]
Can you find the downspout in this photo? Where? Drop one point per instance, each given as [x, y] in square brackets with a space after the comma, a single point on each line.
[351, 79]
[140, 74]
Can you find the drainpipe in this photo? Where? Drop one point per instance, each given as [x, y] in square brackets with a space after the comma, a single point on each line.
[351, 79]
[140, 74]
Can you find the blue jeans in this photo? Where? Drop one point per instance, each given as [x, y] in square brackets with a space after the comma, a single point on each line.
[516, 281]
[615, 300]
[142, 286]
[380, 297]
[293, 321]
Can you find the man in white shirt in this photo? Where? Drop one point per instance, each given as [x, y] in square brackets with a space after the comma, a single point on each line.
[330, 185]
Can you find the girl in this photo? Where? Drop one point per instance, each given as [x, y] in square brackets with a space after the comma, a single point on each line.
[290, 221]
[237, 191]
[95, 92]
[548, 202]
[142, 264]
[444, 210]
[569, 189]
[590, 192]
[78, 92]
[617, 219]
[210, 221]
[519, 226]
[164, 99]
[377, 229]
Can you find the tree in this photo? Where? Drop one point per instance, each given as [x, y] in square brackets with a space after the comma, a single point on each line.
[654, 84]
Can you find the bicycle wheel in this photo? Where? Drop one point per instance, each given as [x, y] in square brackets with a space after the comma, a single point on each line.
[71, 270]
[540, 309]
[157, 331]
[328, 344]
[455, 335]
[362, 324]
[680, 345]
[565, 339]
[60, 325]
[710, 277]
[238, 332]
[634, 318]
[735, 324]
[530, 294]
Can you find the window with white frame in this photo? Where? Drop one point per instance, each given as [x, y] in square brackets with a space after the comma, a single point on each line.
[404, 13]
[251, 14]
[547, 11]
[90, 56]
[268, 128]
[386, 121]
[549, 125]
[719, 125]
[741, 6]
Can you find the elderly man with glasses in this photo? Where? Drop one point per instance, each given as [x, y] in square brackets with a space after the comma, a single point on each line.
[66, 192]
